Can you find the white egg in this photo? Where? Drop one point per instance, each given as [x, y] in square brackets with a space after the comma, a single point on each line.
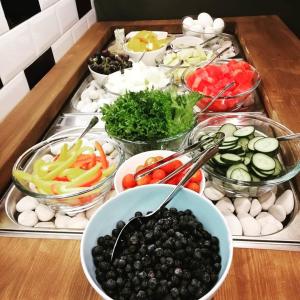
[188, 21]
[205, 19]
[218, 25]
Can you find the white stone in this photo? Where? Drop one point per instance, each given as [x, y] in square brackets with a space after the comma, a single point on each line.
[225, 204]
[242, 205]
[28, 218]
[278, 212]
[90, 212]
[47, 158]
[108, 148]
[188, 21]
[233, 223]
[45, 225]
[269, 224]
[286, 199]
[205, 19]
[26, 203]
[255, 208]
[267, 200]
[251, 227]
[62, 221]
[44, 213]
[213, 194]
[93, 94]
[78, 222]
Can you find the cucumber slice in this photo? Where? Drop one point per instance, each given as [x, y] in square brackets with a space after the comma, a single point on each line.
[240, 174]
[263, 162]
[244, 131]
[243, 142]
[224, 149]
[268, 173]
[217, 159]
[233, 167]
[228, 129]
[257, 173]
[278, 167]
[266, 145]
[236, 150]
[247, 160]
[253, 141]
[254, 178]
[231, 158]
[230, 139]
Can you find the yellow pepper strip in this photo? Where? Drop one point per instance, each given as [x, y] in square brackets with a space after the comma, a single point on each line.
[40, 168]
[72, 173]
[63, 155]
[108, 171]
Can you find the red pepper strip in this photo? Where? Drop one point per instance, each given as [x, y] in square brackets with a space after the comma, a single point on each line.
[92, 180]
[84, 157]
[102, 155]
[86, 199]
[64, 178]
[92, 163]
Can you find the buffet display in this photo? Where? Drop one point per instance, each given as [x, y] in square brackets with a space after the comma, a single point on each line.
[149, 89]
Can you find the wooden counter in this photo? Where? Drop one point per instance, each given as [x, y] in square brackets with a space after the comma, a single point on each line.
[50, 269]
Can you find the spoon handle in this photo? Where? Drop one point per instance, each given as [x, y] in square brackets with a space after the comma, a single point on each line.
[92, 123]
[207, 155]
[225, 88]
[294, 136]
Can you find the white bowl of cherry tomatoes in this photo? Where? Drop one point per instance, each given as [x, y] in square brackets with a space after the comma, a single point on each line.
[124, 178]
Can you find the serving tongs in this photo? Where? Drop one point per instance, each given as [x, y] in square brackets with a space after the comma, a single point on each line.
[217, 138]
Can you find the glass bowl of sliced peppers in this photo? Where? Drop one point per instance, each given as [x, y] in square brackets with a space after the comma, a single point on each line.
[69, 174]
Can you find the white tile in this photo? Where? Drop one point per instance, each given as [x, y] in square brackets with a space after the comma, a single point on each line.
[91, 17]
[16, 51]
[62, 45]
[12, 93]
[79, 29]
[3, 22]
[67, 15]
[46, 3]
[44, 29]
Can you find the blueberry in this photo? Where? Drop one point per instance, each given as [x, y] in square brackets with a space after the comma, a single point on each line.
[110, 284]
[138, 214]
[174, 292]
[120, 225]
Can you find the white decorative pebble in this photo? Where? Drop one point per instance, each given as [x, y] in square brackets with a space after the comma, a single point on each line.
[47, 158]
[93, 94]
[205, 19]
[213, 194]
[90, 212]
[286, 199]
[233, 223]
[267, 200]
[242, 205]
[218, 25]
[27, 218]
[278, 212]
[78, 222]
[108, 148]
[255, 208]
[251, 227]
[44, 212]
[26, 203]
[62, 221]
[188, 21]
[225, 204]
[269, 224]
[45, 225]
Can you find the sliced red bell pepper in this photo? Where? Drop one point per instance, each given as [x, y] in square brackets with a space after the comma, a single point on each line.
[61, 178]
[103, 158]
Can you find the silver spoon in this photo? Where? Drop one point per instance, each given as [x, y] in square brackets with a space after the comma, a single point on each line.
[92, 123]
[294, 136]
[225, 88]
[207, 154]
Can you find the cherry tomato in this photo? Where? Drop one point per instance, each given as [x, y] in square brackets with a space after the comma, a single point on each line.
[140, 167]
[197, 177]
[128, 181]
[151, 160]
[158, 174]
[194, 187]
[172, 166]
[154, 180]
[144, 180]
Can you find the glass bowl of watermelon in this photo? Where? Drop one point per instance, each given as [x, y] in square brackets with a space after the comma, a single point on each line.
[209, 80]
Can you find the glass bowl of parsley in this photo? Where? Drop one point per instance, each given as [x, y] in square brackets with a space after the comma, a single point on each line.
[150, 119]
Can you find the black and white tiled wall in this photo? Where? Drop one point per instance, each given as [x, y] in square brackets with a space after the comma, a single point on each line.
[34, 35]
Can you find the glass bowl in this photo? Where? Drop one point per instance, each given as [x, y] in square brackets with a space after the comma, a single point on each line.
[227, 103]
[289, 153]
[79, 199]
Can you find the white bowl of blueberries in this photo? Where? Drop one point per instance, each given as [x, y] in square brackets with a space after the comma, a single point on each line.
[183, 252]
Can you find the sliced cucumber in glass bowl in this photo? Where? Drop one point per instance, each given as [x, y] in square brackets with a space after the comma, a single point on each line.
[250, 159]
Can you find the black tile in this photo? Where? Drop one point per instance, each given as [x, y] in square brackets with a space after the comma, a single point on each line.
[83, 6]
[39, 68]
[1, 84]
[17, 11]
